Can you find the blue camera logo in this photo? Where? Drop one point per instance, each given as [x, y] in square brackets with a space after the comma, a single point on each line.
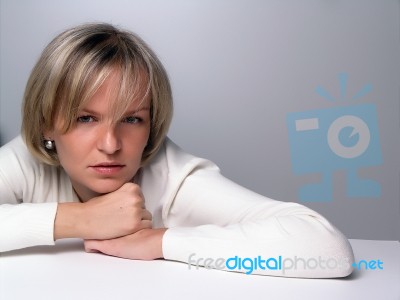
[339, 138]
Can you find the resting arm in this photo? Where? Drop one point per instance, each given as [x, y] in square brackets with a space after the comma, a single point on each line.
[31, 216]
[212, 217]
[109, 216]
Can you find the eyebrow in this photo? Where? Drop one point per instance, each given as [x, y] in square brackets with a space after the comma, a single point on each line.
[92, 112]
[137, 110]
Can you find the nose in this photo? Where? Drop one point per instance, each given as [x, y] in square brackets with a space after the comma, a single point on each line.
[108, 140]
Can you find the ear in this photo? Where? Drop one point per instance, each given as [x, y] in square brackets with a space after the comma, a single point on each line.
[47, 134]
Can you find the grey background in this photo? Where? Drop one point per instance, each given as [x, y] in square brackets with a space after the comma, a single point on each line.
[237, 68]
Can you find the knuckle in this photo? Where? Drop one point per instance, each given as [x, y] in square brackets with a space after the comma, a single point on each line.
[147, 224]
[126, 186]
[148, 214]
[131, 187]
[133, 224]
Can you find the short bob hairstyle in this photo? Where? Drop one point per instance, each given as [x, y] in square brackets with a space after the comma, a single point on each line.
[74, 65]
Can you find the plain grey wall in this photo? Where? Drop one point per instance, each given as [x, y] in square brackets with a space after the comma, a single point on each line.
[238, 68]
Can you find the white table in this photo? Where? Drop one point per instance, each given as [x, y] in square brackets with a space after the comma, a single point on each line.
[67, 272]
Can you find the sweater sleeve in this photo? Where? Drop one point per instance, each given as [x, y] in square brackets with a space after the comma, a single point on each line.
[25, 225]
[28, 203]
[214, 222]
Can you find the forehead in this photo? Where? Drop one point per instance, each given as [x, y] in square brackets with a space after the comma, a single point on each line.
[117, 94]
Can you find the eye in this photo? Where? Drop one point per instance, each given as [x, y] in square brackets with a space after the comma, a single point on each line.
[85, 119]
[132, 120]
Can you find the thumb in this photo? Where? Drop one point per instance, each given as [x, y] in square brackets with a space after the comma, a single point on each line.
[93, 246]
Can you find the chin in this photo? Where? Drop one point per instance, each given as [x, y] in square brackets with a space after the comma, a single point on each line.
[107, 187]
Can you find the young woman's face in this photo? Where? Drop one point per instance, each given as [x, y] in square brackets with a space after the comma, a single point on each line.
[100, 156]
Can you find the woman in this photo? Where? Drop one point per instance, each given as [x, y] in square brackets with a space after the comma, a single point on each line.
[94, 163]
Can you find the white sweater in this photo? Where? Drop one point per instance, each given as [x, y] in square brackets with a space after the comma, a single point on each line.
[207, 216]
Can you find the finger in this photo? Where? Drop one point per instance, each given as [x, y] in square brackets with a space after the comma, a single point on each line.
[146, 215]
[143, 201]
[93, 246]
[141, 195]
[111, 247]
[145, 224]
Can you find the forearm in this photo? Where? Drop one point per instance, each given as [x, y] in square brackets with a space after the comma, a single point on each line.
[69, 221]
[33, 224]
[26, 225]
[310, 250]
[145, 244]
[214, 218]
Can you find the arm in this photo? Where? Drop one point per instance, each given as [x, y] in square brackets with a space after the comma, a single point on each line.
[212, 217]
[31, 216]
[30, 224]
[26, 225]
[24, 220]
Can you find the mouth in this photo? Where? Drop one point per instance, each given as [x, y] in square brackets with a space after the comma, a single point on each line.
[107, 168]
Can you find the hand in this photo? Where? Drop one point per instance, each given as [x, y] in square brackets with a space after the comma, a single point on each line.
[145, 244]
[108, 216]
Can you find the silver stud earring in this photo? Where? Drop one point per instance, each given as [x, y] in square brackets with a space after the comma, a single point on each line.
[49, 144]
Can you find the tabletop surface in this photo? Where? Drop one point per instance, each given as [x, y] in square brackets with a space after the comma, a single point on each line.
[65, 271]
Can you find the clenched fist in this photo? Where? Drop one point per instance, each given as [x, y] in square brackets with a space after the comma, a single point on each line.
[113, 215]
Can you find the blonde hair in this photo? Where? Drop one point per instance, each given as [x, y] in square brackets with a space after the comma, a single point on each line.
[74, 65]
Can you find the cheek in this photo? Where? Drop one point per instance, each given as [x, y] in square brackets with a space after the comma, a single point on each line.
[136, 146]
[68, 149]
[136, 140]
